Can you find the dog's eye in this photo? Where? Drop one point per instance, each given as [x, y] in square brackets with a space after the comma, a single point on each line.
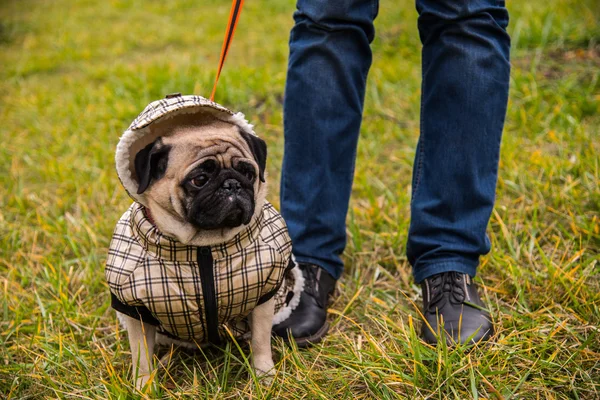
[249, 175]
[247, 170]
[199, 181]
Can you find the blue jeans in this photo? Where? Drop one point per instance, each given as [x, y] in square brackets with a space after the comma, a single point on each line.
[463, 104]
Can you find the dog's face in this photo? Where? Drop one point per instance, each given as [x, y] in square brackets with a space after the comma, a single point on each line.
[203, 183]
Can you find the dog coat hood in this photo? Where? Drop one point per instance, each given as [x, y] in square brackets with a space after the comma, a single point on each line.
[158, 119]
[196, 294]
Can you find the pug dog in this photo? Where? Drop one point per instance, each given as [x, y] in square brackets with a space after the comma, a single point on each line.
[200, 256]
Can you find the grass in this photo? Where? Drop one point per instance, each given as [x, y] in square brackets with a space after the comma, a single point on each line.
[75, 73]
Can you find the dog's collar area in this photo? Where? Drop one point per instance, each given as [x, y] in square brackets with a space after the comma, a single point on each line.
[161, 246]
[149, 216]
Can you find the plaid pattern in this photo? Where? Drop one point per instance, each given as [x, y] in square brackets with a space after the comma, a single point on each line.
[145, 268]
[162, 107]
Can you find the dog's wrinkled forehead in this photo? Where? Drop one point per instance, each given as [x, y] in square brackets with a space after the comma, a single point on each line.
[217, 140]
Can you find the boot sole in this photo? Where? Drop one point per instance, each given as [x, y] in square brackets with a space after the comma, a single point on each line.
[308, 341]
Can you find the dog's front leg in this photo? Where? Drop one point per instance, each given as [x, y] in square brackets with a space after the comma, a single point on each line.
[261, 322]
[141, 340]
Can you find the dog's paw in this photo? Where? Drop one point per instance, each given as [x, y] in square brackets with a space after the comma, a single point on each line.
[141, 382]
[265, 378]
[264, 370]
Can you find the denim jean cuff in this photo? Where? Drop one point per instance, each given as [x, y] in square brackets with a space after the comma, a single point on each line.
[422, 271]
[333, 270]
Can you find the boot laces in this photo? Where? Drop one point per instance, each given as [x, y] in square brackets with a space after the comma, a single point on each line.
[447, 286]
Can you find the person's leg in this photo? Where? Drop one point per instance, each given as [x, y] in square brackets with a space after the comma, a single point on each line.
[464, 96]
[328, 64]
[330, 56]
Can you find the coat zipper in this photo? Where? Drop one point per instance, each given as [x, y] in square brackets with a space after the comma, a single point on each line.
[207, 278]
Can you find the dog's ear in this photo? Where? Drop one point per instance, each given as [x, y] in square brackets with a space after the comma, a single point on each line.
[151, 163]
[258, 147]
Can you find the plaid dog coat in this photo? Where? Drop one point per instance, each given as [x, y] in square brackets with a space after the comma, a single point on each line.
[196, 294]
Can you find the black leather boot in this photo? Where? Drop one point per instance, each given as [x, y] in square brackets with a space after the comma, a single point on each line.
[308, 322]
[452, 297]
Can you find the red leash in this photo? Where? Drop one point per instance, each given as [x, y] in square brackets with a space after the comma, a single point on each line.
[234, 16]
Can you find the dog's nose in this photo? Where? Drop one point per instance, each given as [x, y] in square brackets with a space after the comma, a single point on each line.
[231, 185]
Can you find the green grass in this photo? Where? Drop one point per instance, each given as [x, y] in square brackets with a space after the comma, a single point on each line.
[73, 74]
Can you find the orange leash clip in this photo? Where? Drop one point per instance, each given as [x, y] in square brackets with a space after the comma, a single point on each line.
[234, 16]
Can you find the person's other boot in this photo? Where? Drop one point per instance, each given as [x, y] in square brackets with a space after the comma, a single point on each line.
[308, 322]
[452, 298]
